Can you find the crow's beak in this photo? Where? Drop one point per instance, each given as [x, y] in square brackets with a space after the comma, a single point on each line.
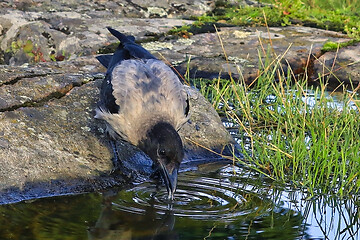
[170, 179]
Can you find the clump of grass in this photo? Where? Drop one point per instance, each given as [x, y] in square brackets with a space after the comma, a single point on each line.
[292, 131]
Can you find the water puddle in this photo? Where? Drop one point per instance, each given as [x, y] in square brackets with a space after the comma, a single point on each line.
[215, 202]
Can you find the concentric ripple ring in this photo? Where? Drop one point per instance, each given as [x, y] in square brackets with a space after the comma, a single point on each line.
[196, 197]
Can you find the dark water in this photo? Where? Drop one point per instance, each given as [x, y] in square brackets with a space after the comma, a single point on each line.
[210, 203]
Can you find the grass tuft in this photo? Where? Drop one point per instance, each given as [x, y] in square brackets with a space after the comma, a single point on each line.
[292, 131]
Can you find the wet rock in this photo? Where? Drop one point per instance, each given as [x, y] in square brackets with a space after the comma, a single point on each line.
[339, 67]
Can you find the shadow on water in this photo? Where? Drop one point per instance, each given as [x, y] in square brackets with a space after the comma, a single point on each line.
[210, 203]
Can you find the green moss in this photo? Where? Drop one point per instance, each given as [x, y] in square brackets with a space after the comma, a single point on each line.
[333, 46]
[180, 29]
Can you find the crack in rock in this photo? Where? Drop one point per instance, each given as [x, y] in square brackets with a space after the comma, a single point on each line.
[57, 94]
[40, 102]
[18, 78]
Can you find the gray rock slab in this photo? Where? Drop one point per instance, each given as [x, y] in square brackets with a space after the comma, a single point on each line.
[28, 86]
[243, 47]
[51, 144]
[53, 141]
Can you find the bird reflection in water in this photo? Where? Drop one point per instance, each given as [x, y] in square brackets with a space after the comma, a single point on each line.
[117, 224]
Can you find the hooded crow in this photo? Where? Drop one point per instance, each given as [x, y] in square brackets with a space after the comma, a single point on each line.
[143, 102]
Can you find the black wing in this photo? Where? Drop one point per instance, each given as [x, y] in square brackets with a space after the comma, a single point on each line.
[127, 49]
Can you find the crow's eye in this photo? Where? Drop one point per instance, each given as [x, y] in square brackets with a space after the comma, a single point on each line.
[161, 152]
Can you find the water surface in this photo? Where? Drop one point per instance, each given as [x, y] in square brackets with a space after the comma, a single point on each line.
[215, 202]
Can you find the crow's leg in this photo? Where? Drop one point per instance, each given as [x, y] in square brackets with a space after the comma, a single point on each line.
[115, 159]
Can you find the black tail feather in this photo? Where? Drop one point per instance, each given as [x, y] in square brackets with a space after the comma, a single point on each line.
[122, 38]
[127, 49]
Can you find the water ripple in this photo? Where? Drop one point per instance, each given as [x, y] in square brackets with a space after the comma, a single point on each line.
[197, 197]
